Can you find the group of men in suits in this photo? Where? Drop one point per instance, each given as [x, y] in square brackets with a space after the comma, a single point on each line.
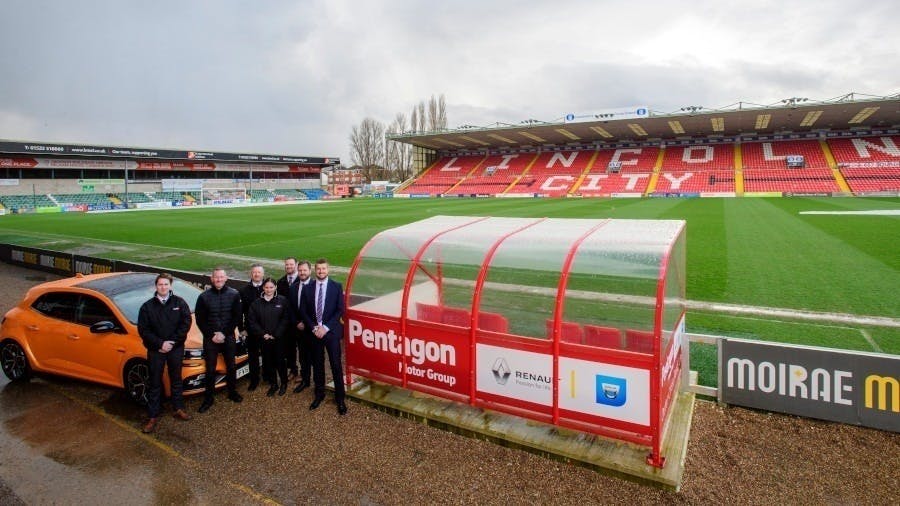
[317, 306]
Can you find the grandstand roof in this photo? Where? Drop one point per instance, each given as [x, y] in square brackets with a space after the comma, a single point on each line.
[123, 152]
[742, 119]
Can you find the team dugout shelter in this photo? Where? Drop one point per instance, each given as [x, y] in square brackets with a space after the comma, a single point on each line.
[572, 322]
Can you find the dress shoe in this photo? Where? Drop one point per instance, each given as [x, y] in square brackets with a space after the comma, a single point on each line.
[282, 389]
[271, 391]
[150, 426]
[315, 403]
[342, 408]
[235, 397]
[205, 406]
[253, 385]
[182, 415]
[301, 387]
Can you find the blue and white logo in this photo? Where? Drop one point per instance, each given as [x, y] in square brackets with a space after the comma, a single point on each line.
[611, 391]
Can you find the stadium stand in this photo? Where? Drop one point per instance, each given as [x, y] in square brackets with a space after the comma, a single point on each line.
[790, 180]
[134, 198]
[443, 175]
[494, 175]
[290, 194]
[710, 181]
[553, 173]
[25, 201]
[81, 198]
[866, 152]
[636, 159]
[869, 163]
[772, 155]
[632, 176]
[867, 180]
[717, 157]
[261, 195]
[313, 194]
[167, 196]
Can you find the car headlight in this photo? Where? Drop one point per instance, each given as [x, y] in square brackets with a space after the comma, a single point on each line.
[193, 353]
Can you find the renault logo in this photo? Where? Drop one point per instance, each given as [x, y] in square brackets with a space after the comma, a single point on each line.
[501, 371]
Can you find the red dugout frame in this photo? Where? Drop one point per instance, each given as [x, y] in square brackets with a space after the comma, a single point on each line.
[464, 354]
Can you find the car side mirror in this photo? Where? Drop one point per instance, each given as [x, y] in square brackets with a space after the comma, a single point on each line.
[103, 327]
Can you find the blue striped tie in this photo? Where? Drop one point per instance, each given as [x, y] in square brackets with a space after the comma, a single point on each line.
[320, 299]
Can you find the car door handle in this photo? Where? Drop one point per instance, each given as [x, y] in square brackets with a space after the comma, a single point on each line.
[120, 350]
[73, 337]
[32, 327]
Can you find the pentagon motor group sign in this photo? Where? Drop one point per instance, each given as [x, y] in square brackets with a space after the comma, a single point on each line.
[837, 385]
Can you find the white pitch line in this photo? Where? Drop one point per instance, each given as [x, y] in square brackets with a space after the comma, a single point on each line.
[874, 212]
[868, 337]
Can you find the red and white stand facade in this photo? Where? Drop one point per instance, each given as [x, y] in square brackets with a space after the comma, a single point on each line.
[573, 322]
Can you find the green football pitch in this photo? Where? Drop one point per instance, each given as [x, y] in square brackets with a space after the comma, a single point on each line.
[744, 251]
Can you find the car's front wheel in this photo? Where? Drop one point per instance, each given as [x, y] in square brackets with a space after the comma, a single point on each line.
[14, 361]
[137, 381]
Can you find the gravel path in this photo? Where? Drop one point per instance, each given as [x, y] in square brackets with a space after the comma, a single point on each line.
[281, 450]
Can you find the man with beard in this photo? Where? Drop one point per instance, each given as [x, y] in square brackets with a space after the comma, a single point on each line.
[322, 308]
[292, 338]
[304, 270]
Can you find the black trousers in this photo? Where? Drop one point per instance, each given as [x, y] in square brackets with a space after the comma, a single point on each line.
[211, 352]
[273, 361]
[254, 350]
[331, 343]
[307, 349]
[290, 346]
[158, 362]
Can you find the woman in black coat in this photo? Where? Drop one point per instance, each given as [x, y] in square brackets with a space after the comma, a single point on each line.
[268, 319]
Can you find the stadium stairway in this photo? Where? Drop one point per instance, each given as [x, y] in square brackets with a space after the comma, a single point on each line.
[523, 174]
[468, 174]
[590, 165]
[416, 177]
[657, 168]
[835, 171]
[738, 170]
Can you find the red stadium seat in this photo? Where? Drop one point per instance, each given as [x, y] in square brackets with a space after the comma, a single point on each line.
[770, 155]
[569, 333]
[493, 322]
[603, 337]
[428, 312]
[456, 316]
[698, 157]
[639, 341]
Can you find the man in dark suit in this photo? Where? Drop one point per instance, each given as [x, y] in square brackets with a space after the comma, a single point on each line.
[250, 292]
[322, 307]
[304, 270]
[284, 285]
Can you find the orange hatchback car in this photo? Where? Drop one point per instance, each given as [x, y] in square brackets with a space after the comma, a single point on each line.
[85, 327]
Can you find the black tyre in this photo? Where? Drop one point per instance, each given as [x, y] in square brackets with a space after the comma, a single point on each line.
[14, 361]
[137, 381]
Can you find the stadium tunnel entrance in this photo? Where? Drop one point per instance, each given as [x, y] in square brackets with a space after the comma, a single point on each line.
[573, 322]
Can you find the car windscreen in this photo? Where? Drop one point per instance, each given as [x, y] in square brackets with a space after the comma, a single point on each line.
[130, 291]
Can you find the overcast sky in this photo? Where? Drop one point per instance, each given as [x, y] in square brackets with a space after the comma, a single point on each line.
[292, 77]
